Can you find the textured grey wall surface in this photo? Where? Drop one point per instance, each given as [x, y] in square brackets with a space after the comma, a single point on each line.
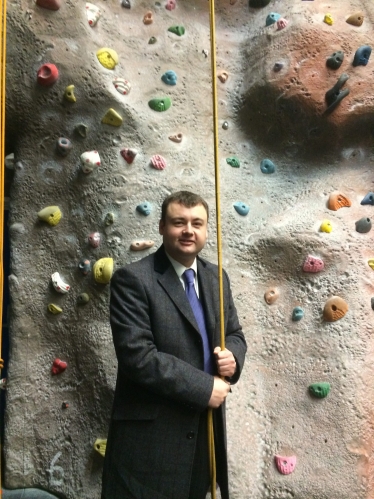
[271, 114]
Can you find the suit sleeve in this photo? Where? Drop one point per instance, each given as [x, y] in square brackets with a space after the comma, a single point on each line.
[234, 337]
[138, 358]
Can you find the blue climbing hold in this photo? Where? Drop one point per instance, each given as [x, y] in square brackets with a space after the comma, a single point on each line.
[241, 208]
[170, 78]
[297, 314]
[144, 208]
[368, 199]
[362, 56]
[267, 166]
[272, 18]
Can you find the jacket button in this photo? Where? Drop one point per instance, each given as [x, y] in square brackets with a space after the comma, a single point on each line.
[190, 435]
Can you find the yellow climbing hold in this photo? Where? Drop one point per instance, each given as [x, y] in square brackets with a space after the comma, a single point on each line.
[54, 309]
[103, 270]
[52, 215]
[107, 57]
[112, 118]
[69, 93]
[326, 226]
[371, 263]
[328, 19]
[100, 446]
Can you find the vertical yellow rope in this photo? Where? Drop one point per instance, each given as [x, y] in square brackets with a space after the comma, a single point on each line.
[2, 174]
[212, 457]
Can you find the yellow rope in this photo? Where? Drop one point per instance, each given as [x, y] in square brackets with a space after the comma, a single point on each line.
[212, 457]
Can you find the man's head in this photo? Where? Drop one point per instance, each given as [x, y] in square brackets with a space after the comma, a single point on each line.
[183, 225]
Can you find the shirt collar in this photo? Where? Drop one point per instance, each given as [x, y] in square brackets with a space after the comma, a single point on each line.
[179, 268]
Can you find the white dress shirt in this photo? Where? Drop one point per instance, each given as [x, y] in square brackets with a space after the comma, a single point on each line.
[179, 269]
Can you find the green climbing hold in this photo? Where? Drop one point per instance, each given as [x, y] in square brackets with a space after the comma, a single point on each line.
[160, 104]
[178, 30]
[152, 40]
[320, 390]
[233, 161]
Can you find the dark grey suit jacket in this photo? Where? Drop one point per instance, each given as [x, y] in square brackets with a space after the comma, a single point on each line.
[161, 386]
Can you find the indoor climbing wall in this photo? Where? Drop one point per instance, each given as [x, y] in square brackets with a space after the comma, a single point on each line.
[109, 110]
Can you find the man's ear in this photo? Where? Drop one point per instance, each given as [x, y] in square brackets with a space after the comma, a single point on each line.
[161, 226]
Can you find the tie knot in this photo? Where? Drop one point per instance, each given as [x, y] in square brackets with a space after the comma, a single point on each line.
[189, 276]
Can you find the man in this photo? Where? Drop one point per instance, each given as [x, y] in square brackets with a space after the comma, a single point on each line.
[169, 363]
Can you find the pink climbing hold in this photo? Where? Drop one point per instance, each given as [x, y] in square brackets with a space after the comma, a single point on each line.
[128, 155]
[158, 162]
[171, 4]
[313, 264]
[285, 465]
[281, 23]
[59, 366]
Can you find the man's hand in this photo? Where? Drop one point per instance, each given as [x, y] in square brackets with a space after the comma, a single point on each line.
[219, 393]
[225, 361]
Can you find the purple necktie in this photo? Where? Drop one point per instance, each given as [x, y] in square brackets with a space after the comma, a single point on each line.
[197, 308]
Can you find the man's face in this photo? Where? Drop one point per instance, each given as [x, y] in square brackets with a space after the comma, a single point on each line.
[184, 232]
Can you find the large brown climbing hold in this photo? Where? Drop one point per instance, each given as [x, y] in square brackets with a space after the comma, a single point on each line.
[49, 4]
[335, 309]
[337, 200]
[356, 19]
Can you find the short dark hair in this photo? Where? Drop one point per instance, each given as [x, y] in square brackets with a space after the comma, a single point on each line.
[188, 199]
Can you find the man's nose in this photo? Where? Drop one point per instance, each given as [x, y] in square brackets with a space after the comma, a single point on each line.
[188, 228]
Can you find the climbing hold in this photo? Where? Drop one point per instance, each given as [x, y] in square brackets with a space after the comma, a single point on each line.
[59, 366]
[9, 161]
[335, 309]
[100, 446]
[267, 166]
[337, 201]
[368, 199]
[281, 23]
[83, 298]
[3, 384]
[285, 465]
[128, 155]
[103, 270]
[111, 117]
[94, 239]
[272, 18]
[59, 285]
[54, 309]
[84, 266]
[319, 390]
[93, 13]
[258, 3]
[152, 40]
[178, 30]
[313, 264]
[372, 302]
[148, 18]
[241, 208]
[225, 125]
[107, 57]
[47, 75]
[371, 263]
[334, 61]
[170, 5]
[170, 77]
[355, 19]
[271, 295]
[141, 245]
[69, 93]
[328, 19]
[49, 4]
[363, 225]
[335, 94]
[233, 161]
[205, 52]
[362, 56]
[297, 314]
[222, 76]
[90, 160]
[109, 219]
[160, 104]
[126, 4]
[176, 138]
[278, 66]
[51, 214]
[144, 208]
[64, 405]
[158, 162]
[82, 130]
[63, 146]
[122, 86]
[326, 226]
